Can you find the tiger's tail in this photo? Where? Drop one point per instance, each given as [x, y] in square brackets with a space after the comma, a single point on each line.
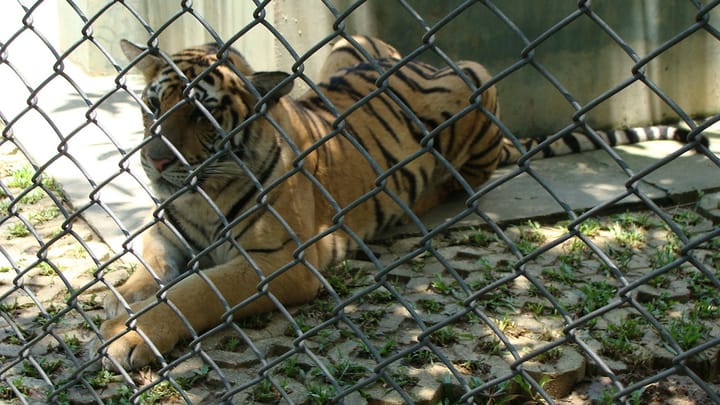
[578, 142]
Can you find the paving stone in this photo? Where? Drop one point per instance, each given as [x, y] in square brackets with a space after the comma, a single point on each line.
[197, 395]
[429, 387]
[562, 374]
[7, 350]
[705, 364]
[418, 285]
[640, 261]
[391, 322]
[228, 359]
[82, 396]
[467, 265]
[678, 291]
[709, 205]
[188, 368]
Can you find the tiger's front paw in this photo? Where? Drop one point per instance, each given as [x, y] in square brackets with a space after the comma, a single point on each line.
[116, 303]
[130, 350]
[113, 306]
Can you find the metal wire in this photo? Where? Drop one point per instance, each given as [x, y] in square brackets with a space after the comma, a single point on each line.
[338, 357]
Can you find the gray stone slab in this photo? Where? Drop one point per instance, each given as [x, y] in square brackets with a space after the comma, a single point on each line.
[585, 181]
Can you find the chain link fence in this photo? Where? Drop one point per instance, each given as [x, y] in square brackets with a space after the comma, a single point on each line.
[597, 305]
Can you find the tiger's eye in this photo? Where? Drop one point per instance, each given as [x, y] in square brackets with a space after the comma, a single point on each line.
[153, 103]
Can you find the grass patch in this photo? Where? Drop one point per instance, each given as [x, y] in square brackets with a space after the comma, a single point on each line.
[617, 341]
[597, 294]
[257, 321]
[321, 393]
[531, 237]
[421, 358]
[17, 230]
[264, 391]
[481, 238]
[445, 336]
[429, 305]
[343, 277]
[33, 197]
[688, 333]
[443, 287]
[629, 236]
[590, 227]
[160, 393]
[22, 177]
[347, 372]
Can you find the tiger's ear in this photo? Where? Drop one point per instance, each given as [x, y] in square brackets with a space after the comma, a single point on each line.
[148, 65]
[269, 83]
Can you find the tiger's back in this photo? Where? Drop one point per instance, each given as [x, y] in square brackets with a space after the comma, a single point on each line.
[403, 135]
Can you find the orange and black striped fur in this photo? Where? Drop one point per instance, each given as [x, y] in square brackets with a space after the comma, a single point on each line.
[261, 191]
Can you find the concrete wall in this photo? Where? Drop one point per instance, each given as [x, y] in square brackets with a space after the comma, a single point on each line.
[582, 57]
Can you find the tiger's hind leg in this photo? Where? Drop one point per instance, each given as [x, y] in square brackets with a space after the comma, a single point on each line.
[344, 54]
[475, 141]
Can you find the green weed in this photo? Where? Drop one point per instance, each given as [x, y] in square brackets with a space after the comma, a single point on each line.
[617, 340]
[660, 306]
[347, 372]
[22, 177]
[664, 254]
[17, 230]
[290, 368]
[597, 294]
[590, 227]
[257, 321]
[632, 218]
[441, 286]
[705, 308]
[430, 305]
[265, 391]
[101, 379]
[627, 235]
[161, 392]
[321, 394]
[44, 215]
[531, 237]
[445, 336]
[33, 197]
[563, 273]
[550, 356]
[687, 332]
[421, 358]
[482, 238]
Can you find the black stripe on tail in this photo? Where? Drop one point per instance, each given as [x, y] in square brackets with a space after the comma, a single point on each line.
[578, 142]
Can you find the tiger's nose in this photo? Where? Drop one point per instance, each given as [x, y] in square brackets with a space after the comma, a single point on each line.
[160, 164]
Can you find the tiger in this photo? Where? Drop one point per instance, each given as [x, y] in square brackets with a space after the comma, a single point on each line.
[260, 192]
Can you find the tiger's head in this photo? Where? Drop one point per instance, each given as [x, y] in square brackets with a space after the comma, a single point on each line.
[200, 115]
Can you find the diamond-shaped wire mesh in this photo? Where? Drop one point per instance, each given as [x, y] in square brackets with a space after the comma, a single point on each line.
[597, 303]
